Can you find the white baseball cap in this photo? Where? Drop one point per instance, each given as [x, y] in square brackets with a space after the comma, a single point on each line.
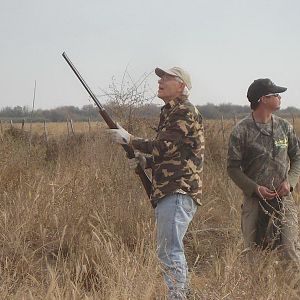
[178, 72]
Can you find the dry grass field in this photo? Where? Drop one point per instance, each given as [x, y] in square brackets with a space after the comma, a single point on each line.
[75, 223]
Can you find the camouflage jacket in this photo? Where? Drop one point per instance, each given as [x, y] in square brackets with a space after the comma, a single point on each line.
[267, 154]
[177, 152]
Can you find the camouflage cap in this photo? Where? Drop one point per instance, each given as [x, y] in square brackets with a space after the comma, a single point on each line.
[261, 87]
[178, 72]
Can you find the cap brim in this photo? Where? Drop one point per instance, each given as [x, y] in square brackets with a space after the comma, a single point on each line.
[160, 72]
[279, 89]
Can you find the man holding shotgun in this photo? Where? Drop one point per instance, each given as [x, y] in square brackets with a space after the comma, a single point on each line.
[176, 159]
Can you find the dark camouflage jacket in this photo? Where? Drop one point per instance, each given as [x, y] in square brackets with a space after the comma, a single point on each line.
[177, 151]
[267, 154]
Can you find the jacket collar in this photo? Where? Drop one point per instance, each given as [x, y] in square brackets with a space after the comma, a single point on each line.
[175, 102]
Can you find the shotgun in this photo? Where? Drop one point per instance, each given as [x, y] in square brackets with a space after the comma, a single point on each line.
[112, 125]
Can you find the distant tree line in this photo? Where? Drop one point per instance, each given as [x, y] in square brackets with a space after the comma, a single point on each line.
[59, 114]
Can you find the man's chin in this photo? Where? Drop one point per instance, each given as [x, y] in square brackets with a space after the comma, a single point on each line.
[160, 96]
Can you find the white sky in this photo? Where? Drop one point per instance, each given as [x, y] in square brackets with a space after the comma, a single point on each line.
[224, 44]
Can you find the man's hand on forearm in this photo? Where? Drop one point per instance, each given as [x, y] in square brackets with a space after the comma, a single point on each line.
[284, 189]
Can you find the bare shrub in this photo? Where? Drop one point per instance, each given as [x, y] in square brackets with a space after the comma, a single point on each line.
[126, 98]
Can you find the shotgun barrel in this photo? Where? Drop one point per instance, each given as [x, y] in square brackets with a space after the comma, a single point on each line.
[112, 125]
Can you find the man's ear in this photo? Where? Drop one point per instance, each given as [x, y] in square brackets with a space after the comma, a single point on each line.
[182, 86]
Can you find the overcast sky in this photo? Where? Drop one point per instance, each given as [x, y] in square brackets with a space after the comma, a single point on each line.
[224, 45]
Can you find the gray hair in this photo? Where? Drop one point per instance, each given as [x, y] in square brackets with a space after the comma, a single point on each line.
[186, 91]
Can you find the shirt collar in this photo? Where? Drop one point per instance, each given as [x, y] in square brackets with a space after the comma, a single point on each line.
[174, 102]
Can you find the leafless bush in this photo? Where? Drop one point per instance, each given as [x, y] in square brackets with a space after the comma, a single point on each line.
[125, 99]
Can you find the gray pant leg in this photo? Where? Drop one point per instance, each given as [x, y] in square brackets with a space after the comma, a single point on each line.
[289, 230]
[249, 220]
[289, 235]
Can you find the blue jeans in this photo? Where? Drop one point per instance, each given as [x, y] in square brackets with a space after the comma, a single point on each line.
[173, 216]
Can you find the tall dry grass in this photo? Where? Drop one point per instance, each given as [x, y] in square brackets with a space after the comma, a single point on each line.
[75, 223]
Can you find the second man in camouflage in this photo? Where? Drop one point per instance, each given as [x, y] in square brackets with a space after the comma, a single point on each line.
[264, 161]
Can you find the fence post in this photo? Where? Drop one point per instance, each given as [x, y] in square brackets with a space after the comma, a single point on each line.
[90, 127]
[72, 127]
[23, 123]
[223, 129]
[68, 127]
[1, 130]
[11, 124]
[45, 132]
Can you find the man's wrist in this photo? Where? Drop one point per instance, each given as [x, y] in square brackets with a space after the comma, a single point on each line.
[131, 137]
[256, 189]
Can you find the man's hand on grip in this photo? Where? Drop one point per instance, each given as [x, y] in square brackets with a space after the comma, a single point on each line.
[284, 189]
[139, 159]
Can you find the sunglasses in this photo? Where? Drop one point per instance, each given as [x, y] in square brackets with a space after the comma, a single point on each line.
[272, 95]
